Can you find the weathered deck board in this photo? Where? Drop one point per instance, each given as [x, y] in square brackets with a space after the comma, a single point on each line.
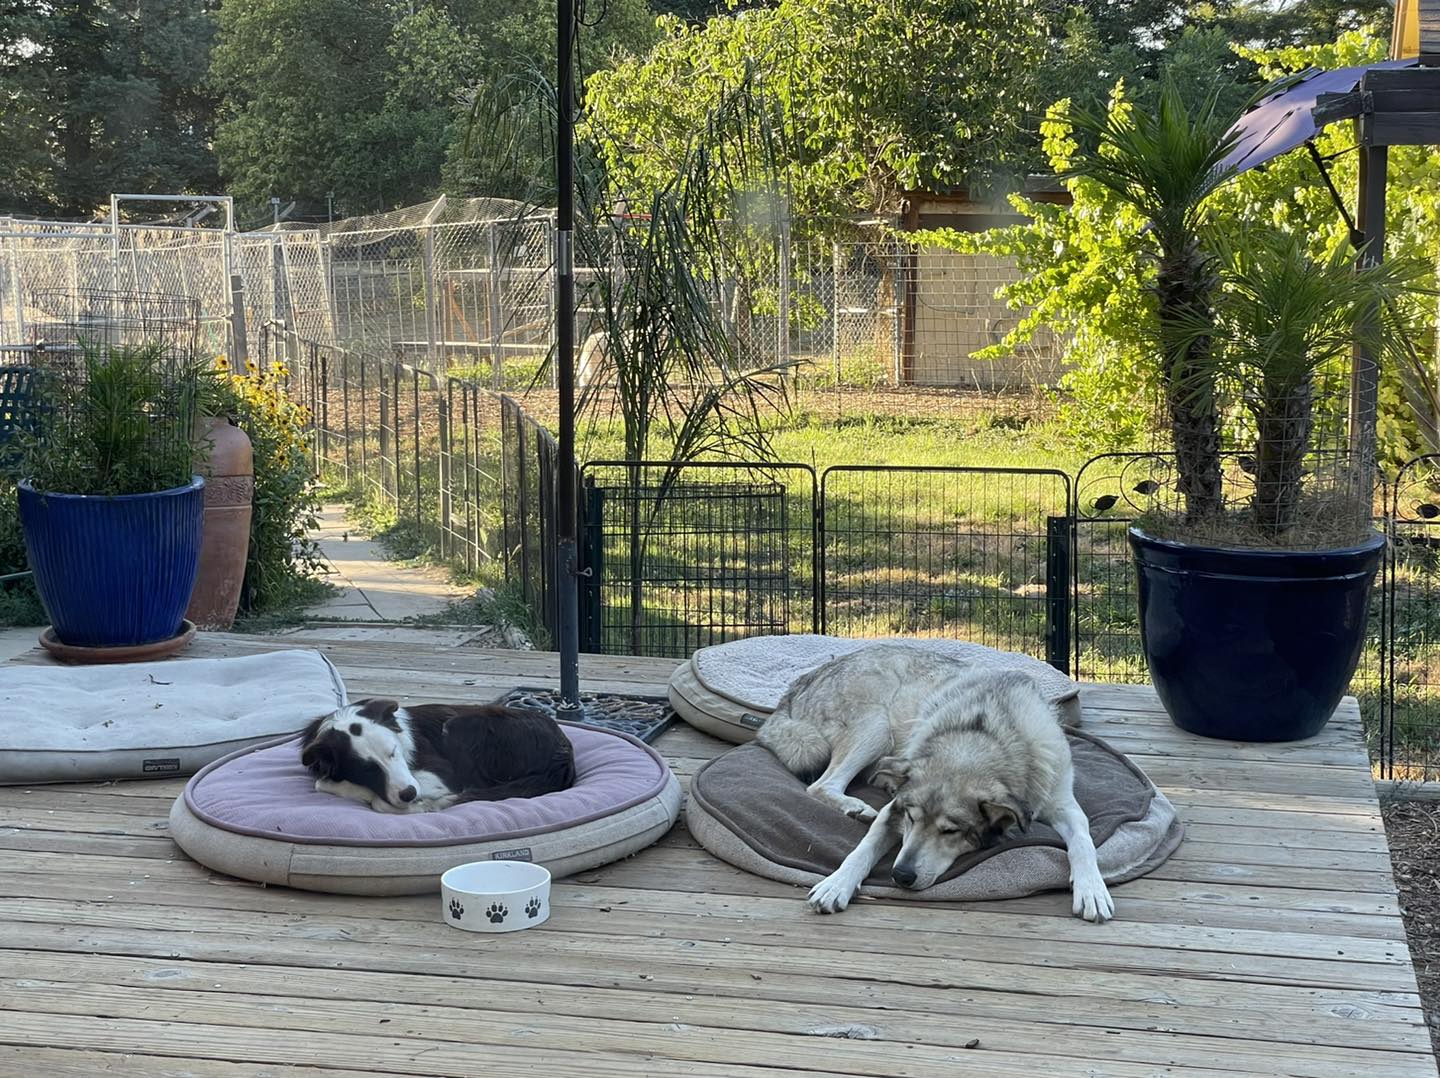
[1270, 944]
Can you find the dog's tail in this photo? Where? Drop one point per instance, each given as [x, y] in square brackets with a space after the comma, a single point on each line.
[798, 745]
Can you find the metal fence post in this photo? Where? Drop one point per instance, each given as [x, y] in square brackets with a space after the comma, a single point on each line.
[554, 299]
[443, 406]
[897, 320]
[835, 272]
[239, 346]
[1057, 592]
[384, 430]
[782, 343]
[592, 609]
[428, 255]
[495, 314]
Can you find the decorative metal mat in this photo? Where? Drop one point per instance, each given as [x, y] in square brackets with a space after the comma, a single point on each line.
[643, 717]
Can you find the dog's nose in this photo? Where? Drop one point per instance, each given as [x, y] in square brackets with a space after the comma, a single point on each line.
[408, 794]
[905, 877]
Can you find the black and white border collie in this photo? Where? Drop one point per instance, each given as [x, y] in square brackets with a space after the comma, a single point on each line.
[427, 758]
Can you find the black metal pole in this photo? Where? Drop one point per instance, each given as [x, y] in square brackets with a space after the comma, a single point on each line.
[569, 611]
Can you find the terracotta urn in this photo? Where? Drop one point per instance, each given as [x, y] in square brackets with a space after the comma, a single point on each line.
[229, 471]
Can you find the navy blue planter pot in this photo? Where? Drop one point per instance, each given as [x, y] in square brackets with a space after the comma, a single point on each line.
[1252, 645]
[114, 571]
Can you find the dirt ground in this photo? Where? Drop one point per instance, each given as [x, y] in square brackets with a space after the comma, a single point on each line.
[1413, 828]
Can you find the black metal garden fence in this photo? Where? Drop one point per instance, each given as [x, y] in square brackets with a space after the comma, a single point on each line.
[680, 556]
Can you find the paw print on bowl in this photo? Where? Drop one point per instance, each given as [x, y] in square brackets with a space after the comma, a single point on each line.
[456, 909]
[532, 908]
[496, 913]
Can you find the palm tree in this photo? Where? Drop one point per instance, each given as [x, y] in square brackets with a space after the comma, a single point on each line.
[1282, 317]
[1166, 164]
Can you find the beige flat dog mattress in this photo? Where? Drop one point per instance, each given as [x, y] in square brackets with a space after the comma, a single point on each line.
[156, 719]
[747, 809]
[729, 690]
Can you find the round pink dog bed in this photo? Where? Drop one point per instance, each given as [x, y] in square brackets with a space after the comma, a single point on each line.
[256, 815]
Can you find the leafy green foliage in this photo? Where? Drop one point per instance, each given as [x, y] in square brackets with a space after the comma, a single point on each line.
[99, 96]
[867, 100]
[1282, 319]
[363, 97]
[1166, 165]
[19, 603]
[125, 425]
[1083, 272]
[283, 558]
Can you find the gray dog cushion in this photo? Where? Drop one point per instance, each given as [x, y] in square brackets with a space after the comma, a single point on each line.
[729, 690]
[155, 719]
[747, 809]
[257, 815]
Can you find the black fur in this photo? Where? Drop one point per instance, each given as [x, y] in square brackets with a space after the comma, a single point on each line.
[483, 753]
[492, 752]
[329, 757]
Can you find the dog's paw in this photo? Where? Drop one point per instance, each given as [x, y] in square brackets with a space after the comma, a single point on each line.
[1091, 900]
[861, 811]
[496, 913]
[851, 806]
[832, 894]
[532, 908]
[457, 911]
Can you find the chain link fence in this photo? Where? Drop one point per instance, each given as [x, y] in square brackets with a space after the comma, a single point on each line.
[237, 281]
[467, 286]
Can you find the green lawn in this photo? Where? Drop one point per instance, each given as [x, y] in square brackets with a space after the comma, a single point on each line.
[730, 551]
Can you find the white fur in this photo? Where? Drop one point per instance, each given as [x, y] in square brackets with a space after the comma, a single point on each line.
[394, 751]
[961, 738]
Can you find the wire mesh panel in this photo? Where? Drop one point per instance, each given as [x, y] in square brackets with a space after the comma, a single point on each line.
[1408, 741]
[307, 291]
[952, 310]
[529, 459]
[471, 480]
[1111, 491]
[684, 556]
[979, 554]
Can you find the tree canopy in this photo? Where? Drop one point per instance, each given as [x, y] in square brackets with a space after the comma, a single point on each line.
[368, 98]
[869, 99]
[98, 96]
[365, 97]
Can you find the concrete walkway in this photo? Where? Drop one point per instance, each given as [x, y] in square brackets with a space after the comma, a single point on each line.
[371, 587]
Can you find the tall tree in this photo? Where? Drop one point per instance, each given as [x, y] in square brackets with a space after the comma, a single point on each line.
[98, 96]
[871, 98]
[365, 98]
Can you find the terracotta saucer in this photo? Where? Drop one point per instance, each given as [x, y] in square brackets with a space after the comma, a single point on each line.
[134, 653]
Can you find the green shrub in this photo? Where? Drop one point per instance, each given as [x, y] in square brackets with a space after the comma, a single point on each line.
[283, 559]
[19, 605]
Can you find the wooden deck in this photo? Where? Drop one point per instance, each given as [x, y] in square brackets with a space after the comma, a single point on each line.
[1271, 942]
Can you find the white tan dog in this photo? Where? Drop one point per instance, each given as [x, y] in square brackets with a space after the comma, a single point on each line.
[967, 755]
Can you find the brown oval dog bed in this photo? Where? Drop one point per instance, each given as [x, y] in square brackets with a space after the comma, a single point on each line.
[257, 815]
[747, 809]
[730, 689]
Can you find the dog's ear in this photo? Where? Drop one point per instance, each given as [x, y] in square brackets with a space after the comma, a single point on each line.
[321, 756]
[890, 773]
[378, 709]
[1008, 813]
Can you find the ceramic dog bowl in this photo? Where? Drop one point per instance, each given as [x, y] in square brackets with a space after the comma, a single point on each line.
[495, 896]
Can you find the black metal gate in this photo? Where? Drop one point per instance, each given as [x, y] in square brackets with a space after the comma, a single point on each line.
[682, 556]
[979, 554]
